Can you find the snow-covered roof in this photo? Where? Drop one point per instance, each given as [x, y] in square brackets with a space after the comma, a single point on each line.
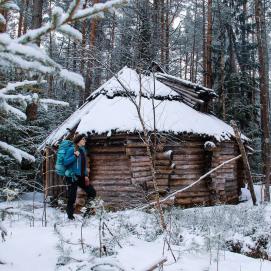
[109, 109]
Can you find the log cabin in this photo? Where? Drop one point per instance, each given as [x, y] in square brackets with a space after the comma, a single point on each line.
[190, 141]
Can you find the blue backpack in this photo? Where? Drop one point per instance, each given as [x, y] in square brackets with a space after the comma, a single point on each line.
[62, 149]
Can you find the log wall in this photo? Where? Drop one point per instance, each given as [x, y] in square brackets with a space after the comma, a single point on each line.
[110, 172]
[54, 185]
[227, 178]
[121, 174]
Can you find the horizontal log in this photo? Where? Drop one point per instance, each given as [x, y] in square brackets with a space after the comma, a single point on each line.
[200, 188]
[162, 176]
[141, 179]
[107, 156]
[167, 155]
[141, 174]
[140, 168]
[163, 162]
[100, 172]
[164, 170]
[121, 197]
[110, 178]
[189, 167]
[176, 185]
[193, 194]
[107, 172]
[139, 158]
[112, 164]
[192, 201]
[135, 144]
[178, 163]
[187, 157]
[119, 189]
[111, 182]
[189, 152]
[188, 172]
[136, 152]
[107, 149]
[191, 176]
[164, 182]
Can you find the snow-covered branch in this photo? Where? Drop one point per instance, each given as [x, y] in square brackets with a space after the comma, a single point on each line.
[14, 85]
[4, 106]
[54, 102]
[16, 153]
[8, 4]
[23, 53]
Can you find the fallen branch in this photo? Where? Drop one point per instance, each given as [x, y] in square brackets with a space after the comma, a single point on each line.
[169, 197]
[245, 161]
[156, 264]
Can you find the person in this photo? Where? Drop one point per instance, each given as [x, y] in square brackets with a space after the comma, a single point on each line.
[76, 173]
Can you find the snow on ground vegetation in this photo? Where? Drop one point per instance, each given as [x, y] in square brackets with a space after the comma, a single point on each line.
[201, 238]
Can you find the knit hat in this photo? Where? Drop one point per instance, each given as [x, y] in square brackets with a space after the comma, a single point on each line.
[78, 137]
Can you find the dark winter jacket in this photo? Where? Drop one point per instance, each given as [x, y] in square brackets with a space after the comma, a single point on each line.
[74, 163]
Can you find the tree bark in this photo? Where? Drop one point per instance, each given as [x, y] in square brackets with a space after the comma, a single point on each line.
[208, 80]
[21, 18]
[37, 16]
[192, 70]
[50, 79]
[3, 27]
[167, 36]
[25, 25]
[264, 91]
[162, 32]
[203, 43]
[92, 39]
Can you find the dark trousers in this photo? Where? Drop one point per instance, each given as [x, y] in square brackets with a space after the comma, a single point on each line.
[72, 189]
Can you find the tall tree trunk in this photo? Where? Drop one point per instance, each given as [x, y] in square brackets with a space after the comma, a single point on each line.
[222, 79]
[196, 66]
[112, 39]
[186, 65]
[162, 32]
[83, 31]
[192, 70]
[3, 27]
[203, 43]
[50, 80]
[25, 25]
[37, 16]
[156, 26]
[83, 51]
[264, 90]
[21, 18]
[3, 30]
[167, 35]
[208, 80]
[92, 39]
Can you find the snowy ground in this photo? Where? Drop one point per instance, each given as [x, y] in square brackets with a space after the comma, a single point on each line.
[200, 239]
